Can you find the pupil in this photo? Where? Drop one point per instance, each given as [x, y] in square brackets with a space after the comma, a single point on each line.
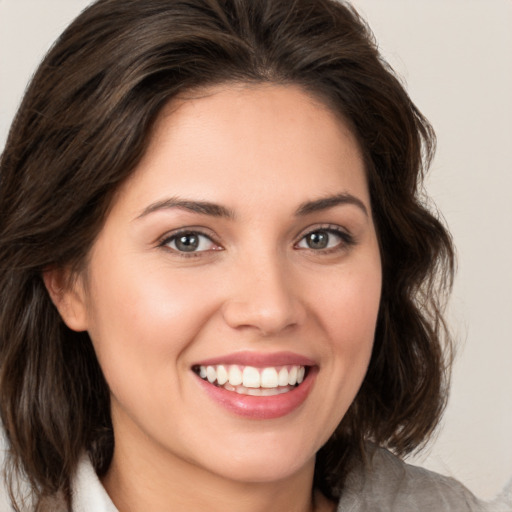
[318, 240]
[187, 243]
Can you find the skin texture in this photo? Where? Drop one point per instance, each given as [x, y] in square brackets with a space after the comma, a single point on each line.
[254, 286]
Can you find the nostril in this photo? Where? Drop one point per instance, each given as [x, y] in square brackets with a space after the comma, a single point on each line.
[268, 316]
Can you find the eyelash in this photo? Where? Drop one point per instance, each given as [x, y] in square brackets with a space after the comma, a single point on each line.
[347, 240]
[167, 240]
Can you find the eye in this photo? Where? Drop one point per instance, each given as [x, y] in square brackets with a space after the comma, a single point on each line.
[322, 239]
[190, 242]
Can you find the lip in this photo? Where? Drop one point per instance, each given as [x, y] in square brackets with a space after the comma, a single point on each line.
[261, 407]
[259, 360]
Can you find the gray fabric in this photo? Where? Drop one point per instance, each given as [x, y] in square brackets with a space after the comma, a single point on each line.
[386, 484]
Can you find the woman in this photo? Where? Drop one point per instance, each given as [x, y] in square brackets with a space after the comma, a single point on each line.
[220, 288]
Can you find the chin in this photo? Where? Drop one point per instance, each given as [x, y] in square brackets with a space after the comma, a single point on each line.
[265, 470]
[264, 460]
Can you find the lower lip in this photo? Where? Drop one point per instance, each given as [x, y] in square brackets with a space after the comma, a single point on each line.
[261, 407]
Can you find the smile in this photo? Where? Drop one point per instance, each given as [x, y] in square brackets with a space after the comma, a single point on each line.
[257, 386]
[253, 381]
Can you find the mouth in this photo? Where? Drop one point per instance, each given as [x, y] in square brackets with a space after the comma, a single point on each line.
[257, 386]
[252, 380]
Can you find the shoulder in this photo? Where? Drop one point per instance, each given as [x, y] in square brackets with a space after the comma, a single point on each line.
[387, 484]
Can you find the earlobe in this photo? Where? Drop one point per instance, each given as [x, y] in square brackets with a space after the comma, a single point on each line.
[68, 296]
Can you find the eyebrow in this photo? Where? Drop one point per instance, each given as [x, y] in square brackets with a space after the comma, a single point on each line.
[201, 207]
[325, 203]
[217, 210]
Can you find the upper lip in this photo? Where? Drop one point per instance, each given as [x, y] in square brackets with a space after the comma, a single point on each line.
[259, 359]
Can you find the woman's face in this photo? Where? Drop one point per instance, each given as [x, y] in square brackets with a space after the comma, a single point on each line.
[241, 252]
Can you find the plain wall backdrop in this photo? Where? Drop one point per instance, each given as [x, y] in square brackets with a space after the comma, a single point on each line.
[456, 58]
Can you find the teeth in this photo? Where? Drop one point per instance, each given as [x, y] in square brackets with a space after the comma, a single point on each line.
[235, 375]
[251, 377]
[269, 378]
[282, 379]
[292, 376]
[241, 390]
[251, 380]
[211, 374]
[222, 375]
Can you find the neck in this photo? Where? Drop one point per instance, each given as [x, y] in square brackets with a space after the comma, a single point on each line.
[149, 481]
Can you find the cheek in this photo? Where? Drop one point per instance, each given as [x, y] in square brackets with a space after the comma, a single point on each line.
[140, 322]
[345, 308]
[348, 308]
[348, 314]
[141, 325]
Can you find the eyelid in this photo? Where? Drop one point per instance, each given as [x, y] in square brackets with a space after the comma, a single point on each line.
[168, 237]
[345, 235]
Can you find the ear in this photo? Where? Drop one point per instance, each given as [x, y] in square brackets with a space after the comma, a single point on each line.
[67, 294]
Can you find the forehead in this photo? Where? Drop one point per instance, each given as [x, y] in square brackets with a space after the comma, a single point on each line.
[265, 141]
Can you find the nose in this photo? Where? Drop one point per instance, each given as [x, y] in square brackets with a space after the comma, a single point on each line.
[263, 296]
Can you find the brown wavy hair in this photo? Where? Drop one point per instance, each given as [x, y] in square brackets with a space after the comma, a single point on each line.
[81, 130]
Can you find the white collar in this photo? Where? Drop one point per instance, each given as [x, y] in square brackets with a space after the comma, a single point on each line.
[88, 493]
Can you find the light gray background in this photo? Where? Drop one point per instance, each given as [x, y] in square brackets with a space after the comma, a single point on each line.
[455, 56]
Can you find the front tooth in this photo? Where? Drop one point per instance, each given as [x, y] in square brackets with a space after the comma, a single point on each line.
[211, 374]
[235, 375]
[283, 377]
[222, 375]
[292, 376]
[269, 378]
[251, 377]
[300, 374]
